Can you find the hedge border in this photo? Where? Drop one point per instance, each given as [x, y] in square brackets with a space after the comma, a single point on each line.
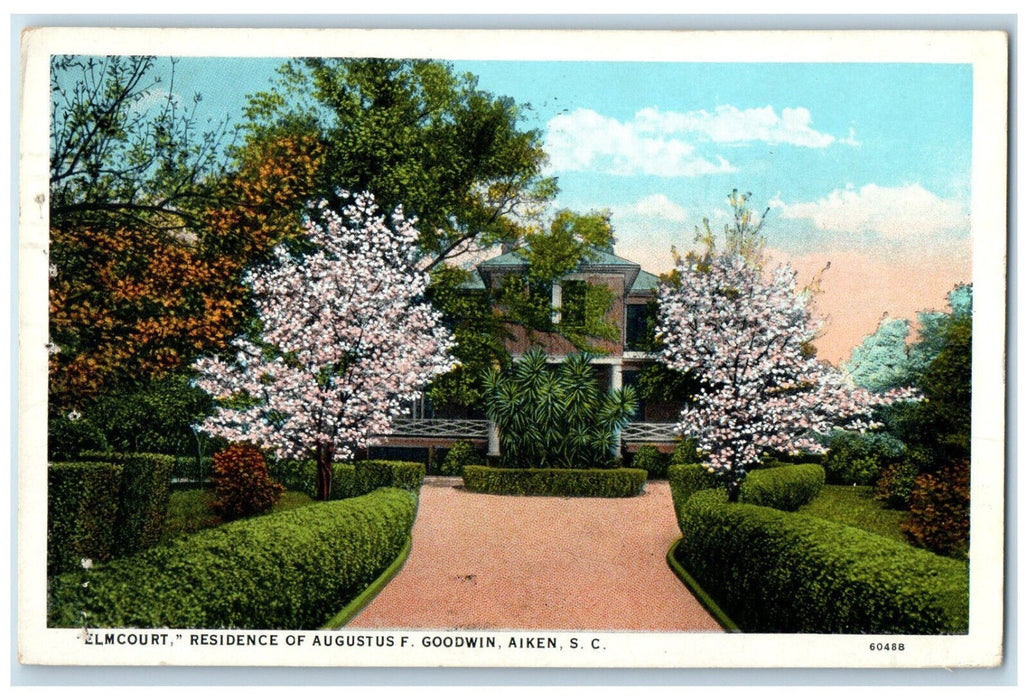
[356, 539]
[572, 483]
[83, 508]
[702, 597]
[350, 479]
[364, 599]
[930, 583]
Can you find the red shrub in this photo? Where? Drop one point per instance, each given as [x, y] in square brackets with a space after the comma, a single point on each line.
[242, 483]
[940, 511]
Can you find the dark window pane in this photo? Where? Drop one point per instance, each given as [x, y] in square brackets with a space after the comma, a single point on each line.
[572, 304]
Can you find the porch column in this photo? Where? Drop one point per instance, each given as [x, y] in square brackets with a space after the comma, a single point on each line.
[615, 376]
[494, 440]
[615, 384]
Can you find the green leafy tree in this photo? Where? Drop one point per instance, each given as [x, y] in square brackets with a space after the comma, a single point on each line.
[125, 151]
[555, 416]
[550, 254]
[934, 329]
[481, 320]
[938, 430]
[881, 361]
[479, 334]
[416, 135]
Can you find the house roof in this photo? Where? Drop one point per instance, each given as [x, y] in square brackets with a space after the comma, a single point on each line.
[645, 282]
[637, 280]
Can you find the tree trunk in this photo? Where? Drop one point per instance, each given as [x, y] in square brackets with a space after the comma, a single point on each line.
[733, 490]
[324, 481]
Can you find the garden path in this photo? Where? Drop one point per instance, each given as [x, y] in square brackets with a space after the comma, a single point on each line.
[507, 562]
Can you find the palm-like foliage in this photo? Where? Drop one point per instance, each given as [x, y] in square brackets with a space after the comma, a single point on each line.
[555, 415]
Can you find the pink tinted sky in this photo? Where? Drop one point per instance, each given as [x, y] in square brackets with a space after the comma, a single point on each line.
[859, 289]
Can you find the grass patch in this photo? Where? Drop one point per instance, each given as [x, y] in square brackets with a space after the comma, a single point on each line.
[192, 510]
[855, 506]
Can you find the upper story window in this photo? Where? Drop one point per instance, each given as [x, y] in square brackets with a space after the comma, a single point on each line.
[572, 303]
[640, 321]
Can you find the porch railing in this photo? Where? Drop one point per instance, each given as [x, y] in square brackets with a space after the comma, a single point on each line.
[650, 432]
[472, 429]
[439, 428]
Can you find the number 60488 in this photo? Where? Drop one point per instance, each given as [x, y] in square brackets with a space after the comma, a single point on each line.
[886, 646]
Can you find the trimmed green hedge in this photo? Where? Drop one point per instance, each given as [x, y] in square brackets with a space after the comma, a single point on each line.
[350, 479]
[786, 487]
[293, 569]
[145, 492]
[773, 571]
[370, 474]
[82, 513]
[687, 479]
[605, 483]
[141, 495]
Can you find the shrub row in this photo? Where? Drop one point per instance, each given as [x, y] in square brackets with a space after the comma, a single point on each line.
[108, 508]
[786, 487]
[773, 571]
[82, 505]
[350, 479]
[605, 483]
[289, 570]
[193, 470]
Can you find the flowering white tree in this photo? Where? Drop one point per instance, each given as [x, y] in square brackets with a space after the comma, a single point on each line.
[346, 338]
[746, 338]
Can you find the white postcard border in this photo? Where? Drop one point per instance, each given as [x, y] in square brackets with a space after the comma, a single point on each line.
[986, 51]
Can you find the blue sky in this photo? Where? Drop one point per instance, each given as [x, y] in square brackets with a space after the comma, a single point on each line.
[867, 164]
[662, 144]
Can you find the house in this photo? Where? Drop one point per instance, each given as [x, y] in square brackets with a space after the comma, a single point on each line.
[618, 361]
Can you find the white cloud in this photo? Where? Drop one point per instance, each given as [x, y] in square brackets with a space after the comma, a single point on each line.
[584, 139]
[655, 206]
[656, 142]
[909, 213]
[728, 124]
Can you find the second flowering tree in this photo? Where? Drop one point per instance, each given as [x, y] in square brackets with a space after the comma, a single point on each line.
[344, 339]
[746, 337]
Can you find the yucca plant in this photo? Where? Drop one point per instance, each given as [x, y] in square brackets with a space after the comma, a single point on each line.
[555, 416]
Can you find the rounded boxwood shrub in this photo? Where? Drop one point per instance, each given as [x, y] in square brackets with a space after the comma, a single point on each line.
[786, 487]
[598, 483]
[458, 457]
[772, 571]
[242, 483]
[289, 570]
[687, 479]
[649, 459]
[860, 458]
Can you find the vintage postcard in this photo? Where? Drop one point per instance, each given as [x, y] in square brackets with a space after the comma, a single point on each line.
[565, 349]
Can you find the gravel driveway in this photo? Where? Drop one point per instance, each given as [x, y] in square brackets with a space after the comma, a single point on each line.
[507, 562]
